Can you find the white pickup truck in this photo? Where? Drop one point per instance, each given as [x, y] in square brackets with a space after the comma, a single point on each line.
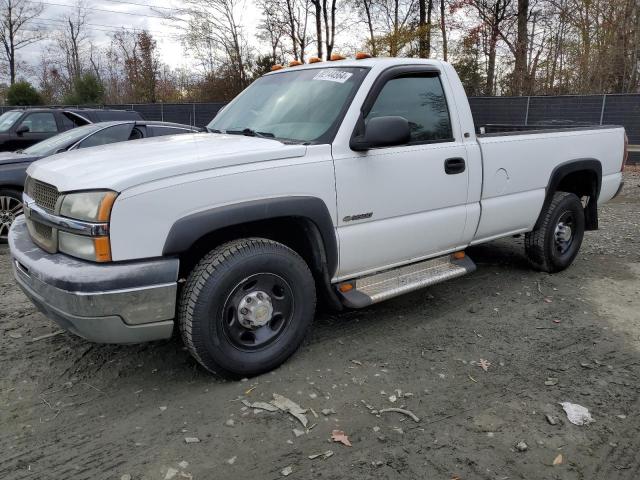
[351, 180]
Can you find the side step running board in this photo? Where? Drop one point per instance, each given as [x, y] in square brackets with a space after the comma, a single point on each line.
[391, 283]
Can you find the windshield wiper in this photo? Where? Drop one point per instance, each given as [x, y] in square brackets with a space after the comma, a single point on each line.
[251, 133]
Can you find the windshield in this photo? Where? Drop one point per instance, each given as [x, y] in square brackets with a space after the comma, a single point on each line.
[62, 141]
[297, 105]
[7, 120]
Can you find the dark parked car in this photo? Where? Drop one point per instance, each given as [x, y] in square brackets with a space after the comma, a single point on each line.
[23, 128]
[13, 165]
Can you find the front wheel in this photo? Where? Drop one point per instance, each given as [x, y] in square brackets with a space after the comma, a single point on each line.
[554, 245]
[246, 307]
[10, 208]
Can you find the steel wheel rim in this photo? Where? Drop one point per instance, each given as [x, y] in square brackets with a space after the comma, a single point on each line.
[564, 232]
[10, 208]
[265, 331]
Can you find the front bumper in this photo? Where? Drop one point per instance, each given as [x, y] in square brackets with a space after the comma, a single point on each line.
[107, 303]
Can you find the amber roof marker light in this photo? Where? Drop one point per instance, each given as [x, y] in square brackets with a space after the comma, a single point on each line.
[335, 57]
[276, 67]
[295, 63]
[362, 55]
[314, 60]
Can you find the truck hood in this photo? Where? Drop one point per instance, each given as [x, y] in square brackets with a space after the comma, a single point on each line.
[123, 165]
[7, 158]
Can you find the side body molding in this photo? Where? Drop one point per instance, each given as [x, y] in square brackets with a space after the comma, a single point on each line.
[186, 231]
[560, 173]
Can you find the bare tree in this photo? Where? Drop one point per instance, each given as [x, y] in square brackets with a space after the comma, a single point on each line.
[213, 29]
[15, 17]
[272, 28]
[73, 41]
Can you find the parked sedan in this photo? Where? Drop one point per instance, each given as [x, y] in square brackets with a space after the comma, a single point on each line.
[13, 165]
[21, 128]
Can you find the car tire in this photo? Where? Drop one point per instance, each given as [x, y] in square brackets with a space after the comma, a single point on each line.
[246, 307]
[554, 245]
[10, 208]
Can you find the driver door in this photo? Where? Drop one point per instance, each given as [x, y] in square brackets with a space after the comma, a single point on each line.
[400, 204]
[42, 125]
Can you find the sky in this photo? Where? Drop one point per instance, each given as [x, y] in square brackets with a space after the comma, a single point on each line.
[105, 17]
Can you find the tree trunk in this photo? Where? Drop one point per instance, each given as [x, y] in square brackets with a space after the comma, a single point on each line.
[372, 37]
[491, 67]
[316, 4]
[443, 27]
[428, 33]
[422, 29]
[292, 29]
[520, 70]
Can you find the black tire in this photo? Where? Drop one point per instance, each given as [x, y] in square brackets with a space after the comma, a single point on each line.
[10, 208]
[209, 313]
[552, 247]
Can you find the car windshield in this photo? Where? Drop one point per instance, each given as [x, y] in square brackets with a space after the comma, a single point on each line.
[62, 141]
[7, 120]
[297, 105]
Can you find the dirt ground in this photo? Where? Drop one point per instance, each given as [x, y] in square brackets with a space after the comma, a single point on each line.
[70, 409]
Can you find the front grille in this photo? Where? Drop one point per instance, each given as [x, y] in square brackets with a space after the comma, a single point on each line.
[45, 195]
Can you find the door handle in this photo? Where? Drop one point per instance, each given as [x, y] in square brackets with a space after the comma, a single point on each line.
[453, 166]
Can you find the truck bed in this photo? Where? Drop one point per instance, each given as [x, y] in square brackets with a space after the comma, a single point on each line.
[518, 164]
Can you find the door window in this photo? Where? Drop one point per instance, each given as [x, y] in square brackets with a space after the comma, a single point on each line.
[421, 100]
[117, 133]
[40, 123]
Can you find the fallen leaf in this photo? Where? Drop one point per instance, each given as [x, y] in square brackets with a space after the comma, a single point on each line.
[286, 405]
[286, 471]
[472, 379]
[558, 460]
[548, 300]
[339, 436]
[484, 364]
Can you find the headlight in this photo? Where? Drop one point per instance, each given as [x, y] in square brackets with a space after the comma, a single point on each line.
[95, 209]
[88, 206]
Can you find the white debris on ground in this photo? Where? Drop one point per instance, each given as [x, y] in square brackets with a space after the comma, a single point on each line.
[577, 414]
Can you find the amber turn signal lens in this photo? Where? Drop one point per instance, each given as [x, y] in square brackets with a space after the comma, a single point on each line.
[103, 249]
[294, 63]
[458, 255]
[315, 60]
[362, 56]
[335, 57]
[276, 67]
[104, 212]
[346, 287]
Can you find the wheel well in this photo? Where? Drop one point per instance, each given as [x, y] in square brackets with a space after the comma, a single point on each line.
[297, 233]
[17, 188]
[584, 184]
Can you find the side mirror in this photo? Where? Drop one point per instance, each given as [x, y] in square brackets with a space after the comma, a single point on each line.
[382, 132]
[22, 129]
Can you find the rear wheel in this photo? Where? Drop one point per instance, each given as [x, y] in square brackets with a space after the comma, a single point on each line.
[554, 245]
[246, 307]
[10, 208]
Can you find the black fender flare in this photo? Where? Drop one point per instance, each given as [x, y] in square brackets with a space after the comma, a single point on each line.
[187, 230]
[564, 169]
